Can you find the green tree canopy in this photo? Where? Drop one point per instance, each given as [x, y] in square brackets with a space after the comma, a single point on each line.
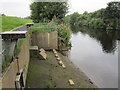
[73, 18]
[112, 14]
[42, 11]
[112, 10]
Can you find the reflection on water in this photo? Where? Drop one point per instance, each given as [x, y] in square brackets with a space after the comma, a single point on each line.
[96, 53]
[107, 39]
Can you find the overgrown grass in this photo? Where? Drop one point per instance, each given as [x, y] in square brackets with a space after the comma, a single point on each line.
[9, 22]
[44, 27]
[0, 24]
[6, 62]
[18, 46]
[20, 42]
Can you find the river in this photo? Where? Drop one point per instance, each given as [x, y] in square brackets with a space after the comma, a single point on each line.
[96, 54]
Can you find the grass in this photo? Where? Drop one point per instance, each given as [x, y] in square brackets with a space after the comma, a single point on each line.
[43, 27]
[9, 22]
[7, 62]
[18, 46]
[0, 23]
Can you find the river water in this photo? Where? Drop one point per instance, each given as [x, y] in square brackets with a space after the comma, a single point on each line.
[96, 54]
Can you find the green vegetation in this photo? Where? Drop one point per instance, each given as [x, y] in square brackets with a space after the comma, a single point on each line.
[62, 29]
[18, 46]
[44, 27]
[6, 62]
[49, 84]
[9, 22]
[0, 24]
[63, 36]
[105, 18]
[46, 11]
[53, 14]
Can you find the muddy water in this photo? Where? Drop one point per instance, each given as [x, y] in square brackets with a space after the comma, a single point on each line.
[96, 54]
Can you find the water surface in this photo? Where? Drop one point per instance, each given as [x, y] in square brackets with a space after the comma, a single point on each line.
[96, 54]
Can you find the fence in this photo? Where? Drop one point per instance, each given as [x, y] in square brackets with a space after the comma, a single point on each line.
[7, 45]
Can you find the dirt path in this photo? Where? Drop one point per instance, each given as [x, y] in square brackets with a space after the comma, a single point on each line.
[48, 73]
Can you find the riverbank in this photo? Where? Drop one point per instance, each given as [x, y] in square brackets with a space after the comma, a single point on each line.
[49, 74]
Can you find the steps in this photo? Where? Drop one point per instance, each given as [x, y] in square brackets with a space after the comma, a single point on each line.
[58, 59]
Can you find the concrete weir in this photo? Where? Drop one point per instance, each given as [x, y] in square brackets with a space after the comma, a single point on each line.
[47, 40]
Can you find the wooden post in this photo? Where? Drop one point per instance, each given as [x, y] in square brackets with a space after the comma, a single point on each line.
[17, 64]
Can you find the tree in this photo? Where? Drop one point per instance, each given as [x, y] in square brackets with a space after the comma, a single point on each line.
[42, 11]
[3, 15]
[112, 14]
[113, 10]
[73, 18]
[66, 19]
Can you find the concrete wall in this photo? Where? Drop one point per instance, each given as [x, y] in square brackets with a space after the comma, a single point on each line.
[46, 40]
[8, 79]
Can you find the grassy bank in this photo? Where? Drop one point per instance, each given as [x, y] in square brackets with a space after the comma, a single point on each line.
[49, 74]
[9, 22]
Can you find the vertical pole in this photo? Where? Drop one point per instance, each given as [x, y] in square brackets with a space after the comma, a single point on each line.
[48, 40]
[17, 58]
[17, 63]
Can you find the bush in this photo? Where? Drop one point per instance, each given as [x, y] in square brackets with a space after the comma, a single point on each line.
[63, 36]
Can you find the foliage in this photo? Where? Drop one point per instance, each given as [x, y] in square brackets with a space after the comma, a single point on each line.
[105, 18]
[112, 13]
[46, 11]
[9, 22]
[73, 18]
[112, 10]
[63, 36]
[6, 62]
[66, 19]
[18, 46]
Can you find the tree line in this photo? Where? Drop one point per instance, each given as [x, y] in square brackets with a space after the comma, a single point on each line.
[105, 18]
